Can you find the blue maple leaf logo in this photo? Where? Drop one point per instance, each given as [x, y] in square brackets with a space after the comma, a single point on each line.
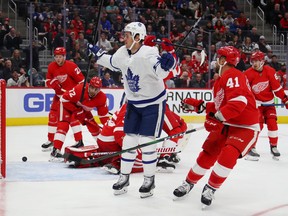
[133, 81]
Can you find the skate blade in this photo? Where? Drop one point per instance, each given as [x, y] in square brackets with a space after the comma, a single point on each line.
[112, 171]
[165, 170]
[120, 192]
[276, 158]
[47, 149]
[56, 160]
[251, 158]
[204, 207]
[145, 195]
[175, 198]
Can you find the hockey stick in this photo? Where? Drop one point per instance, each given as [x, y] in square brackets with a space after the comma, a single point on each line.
[71, 157]
[272, 104]
[94, 42]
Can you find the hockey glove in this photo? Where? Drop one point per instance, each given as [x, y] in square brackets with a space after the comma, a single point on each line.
[149, 40]
[167, 45]
[212, 123]
[285, 101]
[95, 51]
[82, 116]
[55, 84]
[191, 104]
[167, 61]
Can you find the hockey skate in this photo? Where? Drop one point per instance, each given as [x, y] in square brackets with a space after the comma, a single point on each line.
[146, 190]
[165, 165]
[182, 190]
[47, 146]
[111, 169]
[120, 187]
[274, 151]
[174, 157]
[207, 196]
[56, 156]
[252, 155]
[78, 144]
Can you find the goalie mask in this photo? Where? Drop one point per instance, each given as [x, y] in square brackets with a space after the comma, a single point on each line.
[231, 54]
[94, 86]
[136, 28]
[257, 60]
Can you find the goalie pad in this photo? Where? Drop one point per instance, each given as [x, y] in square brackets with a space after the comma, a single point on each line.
[85, 152]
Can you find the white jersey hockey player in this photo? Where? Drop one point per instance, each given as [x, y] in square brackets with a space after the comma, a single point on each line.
[143, 70]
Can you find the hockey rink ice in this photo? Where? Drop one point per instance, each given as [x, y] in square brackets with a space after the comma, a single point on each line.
[41, 188]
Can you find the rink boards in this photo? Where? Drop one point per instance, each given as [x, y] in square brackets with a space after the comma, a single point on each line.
[30, 106]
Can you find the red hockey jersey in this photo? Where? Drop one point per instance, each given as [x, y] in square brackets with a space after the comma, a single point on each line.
[264, 84]
[72, 97]
[233, 97]
[68, 75]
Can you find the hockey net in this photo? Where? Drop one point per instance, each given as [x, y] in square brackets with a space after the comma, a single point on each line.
[3, 128]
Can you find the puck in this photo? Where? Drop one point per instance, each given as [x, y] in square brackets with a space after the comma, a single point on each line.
[24, 159]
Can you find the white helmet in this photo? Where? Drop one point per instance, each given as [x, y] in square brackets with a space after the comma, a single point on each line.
[136, 28]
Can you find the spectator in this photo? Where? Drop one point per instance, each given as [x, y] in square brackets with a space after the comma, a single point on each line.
[112, 11]
[12, 40]
[274, 63]
[78, 24]
[37, 79]
[162, 33]
[82, 42]
[211, 82]
[219, 25]
[17, 79]
[78, 55]
[263, 46]
[103, 43]
[198, 81]
[16, 60]
[247, 48]
[107, 81]
[254, 35]
[175, 36]
[183, 81]
[221, 43]
[36, 48]
[268, 57]
[106, 25]
[89, 32]
[59, 42]
[228, 20]
[117, 28]
[2, 34]
[282, 74]
[94, 71]
[248, 27]
[7, 70]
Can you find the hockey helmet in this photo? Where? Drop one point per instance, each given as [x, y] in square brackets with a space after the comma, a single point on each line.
[231, 53]
[136, 28]
[96, 82]
[60, 51]
[257, 56]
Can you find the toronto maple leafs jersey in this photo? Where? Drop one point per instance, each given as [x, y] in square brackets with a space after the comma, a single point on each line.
[141, 72]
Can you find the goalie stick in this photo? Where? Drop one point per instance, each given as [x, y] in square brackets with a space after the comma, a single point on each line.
[70, 157]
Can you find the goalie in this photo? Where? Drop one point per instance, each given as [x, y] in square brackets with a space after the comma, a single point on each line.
[111, 137]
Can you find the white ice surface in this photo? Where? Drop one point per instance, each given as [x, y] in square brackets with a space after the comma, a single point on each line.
[40, 188]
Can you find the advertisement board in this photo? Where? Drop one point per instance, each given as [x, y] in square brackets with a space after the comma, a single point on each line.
[30, 106]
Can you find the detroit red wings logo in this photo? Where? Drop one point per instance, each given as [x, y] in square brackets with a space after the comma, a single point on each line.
[219, 98]
[259, 87]
[62, 78]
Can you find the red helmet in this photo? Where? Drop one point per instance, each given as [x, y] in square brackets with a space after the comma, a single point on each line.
[257, 56]
[231, 53]
[60, 51]
[96, 82]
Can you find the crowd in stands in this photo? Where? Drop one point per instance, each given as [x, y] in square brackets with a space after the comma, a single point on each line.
[222, 23]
